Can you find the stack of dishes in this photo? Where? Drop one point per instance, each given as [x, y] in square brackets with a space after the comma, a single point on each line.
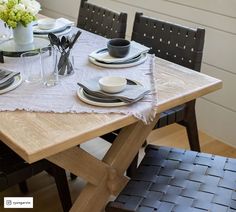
[9, 80]
[62, 26]
[90, 93]
[136, 56]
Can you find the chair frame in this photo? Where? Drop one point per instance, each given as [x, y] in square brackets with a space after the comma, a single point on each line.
[14, 170]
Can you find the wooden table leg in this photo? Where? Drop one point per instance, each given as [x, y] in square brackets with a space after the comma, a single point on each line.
[119, 156]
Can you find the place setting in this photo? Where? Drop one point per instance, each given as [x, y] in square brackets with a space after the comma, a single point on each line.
[111, 91]
[60, 26]
[119, 53]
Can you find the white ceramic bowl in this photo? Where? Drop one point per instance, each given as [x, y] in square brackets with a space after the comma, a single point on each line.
[112, 84]
[46, 23]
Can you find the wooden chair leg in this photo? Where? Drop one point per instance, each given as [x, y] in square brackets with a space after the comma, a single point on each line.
[62, 186]
[132, 167]
[23, 187]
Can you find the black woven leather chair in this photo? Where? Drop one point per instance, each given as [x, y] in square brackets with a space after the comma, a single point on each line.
[101, 21]
[14, 170]
[176, 180]
[180, 45]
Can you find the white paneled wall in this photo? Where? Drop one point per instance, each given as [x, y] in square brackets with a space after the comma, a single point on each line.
[216, 112]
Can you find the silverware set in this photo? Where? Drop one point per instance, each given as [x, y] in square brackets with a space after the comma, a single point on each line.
[7, 78]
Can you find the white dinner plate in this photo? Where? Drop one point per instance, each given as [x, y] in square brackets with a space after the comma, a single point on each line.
[64, 32]
[119, 65]
[60, 25]
[103, 55]
[97, 101]
[82, 97]
[16, 83]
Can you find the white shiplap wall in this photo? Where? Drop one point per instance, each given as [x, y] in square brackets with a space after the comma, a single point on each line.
[217, 111]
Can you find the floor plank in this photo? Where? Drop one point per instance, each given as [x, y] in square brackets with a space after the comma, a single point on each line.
[43, 189]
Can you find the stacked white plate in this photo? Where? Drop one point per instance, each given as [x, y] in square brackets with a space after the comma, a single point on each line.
[61, 27]
[136, 56]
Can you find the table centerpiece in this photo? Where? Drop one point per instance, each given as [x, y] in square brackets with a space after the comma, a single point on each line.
[20, 15]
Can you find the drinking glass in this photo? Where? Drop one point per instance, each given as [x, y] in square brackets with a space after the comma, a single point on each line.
[49, 58]
[32, 66]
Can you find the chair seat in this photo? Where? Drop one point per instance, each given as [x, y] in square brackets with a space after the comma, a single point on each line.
[170, 179]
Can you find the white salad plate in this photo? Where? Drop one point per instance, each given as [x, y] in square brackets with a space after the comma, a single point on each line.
[126, 64]
[63, 32]
[17, 81]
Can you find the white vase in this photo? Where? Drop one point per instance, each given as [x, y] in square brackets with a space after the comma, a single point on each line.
[23, 35]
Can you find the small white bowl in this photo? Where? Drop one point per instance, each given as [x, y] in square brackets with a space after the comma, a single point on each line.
[112, 84]
[46, 23]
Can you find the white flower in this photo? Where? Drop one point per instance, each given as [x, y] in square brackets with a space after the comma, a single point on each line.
[3, 1]
[19, 6]
[31, 6]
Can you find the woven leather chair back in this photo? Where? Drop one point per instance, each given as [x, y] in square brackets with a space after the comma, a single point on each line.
[101, 21]
[169, 41]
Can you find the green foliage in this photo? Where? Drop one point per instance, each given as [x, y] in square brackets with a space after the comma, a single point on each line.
[13, 12]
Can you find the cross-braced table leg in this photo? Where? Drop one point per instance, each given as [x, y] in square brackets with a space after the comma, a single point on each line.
[106, 177]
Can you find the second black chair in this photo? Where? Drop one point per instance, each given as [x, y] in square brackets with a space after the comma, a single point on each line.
[101, 21]
[178, 44]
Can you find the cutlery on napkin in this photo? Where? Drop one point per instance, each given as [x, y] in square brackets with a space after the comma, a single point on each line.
[131, 94]
[136, 49]
[8, 76]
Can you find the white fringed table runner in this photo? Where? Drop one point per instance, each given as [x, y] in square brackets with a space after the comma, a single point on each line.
[63, 97]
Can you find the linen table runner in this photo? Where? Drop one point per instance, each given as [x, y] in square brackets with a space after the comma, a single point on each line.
[63, 97]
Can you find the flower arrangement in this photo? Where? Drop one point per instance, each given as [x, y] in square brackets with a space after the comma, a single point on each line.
[13, 12]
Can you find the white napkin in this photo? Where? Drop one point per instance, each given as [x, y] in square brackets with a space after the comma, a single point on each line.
[61, 24]
[135, 50]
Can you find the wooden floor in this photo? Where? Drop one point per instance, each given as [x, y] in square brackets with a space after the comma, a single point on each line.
[43, 189]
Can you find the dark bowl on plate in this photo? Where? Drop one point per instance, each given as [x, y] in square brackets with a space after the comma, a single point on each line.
[118, 47]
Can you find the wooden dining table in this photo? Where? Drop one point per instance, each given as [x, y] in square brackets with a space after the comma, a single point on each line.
[54, 136]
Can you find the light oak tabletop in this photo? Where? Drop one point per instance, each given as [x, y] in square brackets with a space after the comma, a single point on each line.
[38, 135]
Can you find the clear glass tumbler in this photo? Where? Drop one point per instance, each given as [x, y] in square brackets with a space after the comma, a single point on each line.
[32, 66]
[49, 58]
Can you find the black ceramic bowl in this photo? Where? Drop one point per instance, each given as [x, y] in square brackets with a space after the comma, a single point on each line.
[118, 47]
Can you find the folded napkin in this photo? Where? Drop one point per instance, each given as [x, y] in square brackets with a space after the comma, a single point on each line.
[60, 25]
[135, 50]
[7, 78]
[131, 94]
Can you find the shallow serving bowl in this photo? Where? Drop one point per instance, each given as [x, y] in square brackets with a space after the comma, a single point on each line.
[112, 84]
